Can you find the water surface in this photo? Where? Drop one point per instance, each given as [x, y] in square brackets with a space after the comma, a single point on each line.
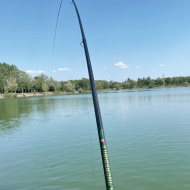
[51, 142]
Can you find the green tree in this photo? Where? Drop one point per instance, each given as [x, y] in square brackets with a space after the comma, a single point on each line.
[53, 84]
[11, 85]
[69, 87]
[168, 81]
[40, 83]
[84, 84]
[24, 82]
[116, 85]
[98, 85]
[111, 84]
[159, 82]
[7, 71]
[125, 85]
[139, 82]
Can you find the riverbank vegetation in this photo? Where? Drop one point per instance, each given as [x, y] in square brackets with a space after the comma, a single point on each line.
[14, 82]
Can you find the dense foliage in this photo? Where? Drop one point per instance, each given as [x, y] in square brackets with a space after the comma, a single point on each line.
[14, 80]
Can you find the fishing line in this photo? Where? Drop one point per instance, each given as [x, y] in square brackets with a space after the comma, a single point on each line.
[56, 26]
[90, 137]
[89, 125]
[101, 135]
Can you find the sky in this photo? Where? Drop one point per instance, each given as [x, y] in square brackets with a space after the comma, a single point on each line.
[126, 38]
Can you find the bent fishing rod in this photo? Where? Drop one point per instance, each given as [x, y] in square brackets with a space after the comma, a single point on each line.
[101, 135]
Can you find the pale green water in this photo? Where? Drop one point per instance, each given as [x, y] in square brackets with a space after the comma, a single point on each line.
[51, 142]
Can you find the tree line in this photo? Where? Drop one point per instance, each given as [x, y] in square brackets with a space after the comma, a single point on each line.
[14, 80]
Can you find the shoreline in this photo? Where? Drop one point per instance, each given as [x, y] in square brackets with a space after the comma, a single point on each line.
[19, 95]
[37, 94]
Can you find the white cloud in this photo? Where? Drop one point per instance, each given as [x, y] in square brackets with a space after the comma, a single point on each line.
[34, 71]
[121, 65]
[53, 71]
[138, 67]
[162, 65]
[64, 69]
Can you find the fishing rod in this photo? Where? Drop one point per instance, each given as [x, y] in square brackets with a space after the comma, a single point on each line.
[101, 135]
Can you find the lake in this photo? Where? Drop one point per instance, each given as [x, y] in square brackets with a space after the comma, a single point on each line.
[51, 143]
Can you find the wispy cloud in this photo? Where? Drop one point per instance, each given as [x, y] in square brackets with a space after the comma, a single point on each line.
[53, 71]
[121, 65]
[138, 67]
[34, 71]
[64, 69]
[162, 65]
[104, 67]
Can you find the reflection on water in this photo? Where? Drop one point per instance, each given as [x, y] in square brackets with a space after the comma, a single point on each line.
[12, 111]
[51, 142]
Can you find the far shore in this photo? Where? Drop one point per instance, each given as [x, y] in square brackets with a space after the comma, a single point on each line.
[25, 95]
[19, 95]
[35, 94]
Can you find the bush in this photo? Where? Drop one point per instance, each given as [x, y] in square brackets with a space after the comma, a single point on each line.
[14, 95]
[80, 90]
[9, 95]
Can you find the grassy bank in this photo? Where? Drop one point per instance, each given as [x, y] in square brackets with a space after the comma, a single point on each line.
[25, 95]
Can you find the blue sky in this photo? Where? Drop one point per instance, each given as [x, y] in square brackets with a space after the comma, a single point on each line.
[126, 38]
